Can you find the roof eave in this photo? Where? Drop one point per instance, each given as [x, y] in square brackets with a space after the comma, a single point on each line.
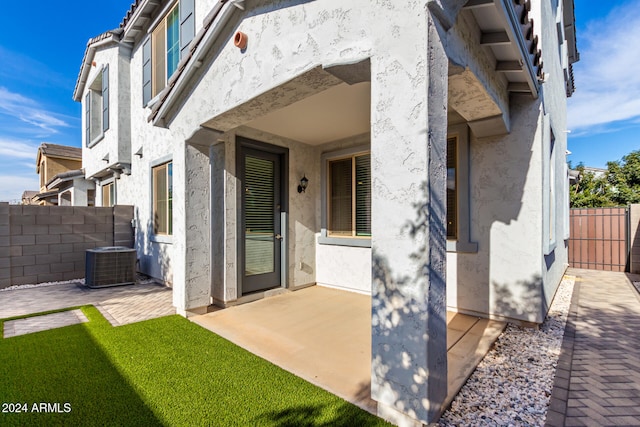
[87, 60]
[218, 18]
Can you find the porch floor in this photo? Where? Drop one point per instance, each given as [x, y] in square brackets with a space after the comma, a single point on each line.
[324, 336]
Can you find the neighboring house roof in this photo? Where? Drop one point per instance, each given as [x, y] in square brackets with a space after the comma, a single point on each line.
[55, 150]
[64, 176]
[29, 194]
[59, 151]
[46, 195]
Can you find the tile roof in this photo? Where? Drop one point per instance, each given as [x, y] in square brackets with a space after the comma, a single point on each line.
[56, 150]
[65, 176]
[84, 65]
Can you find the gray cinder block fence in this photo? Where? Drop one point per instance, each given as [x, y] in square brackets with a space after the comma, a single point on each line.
[48, 243]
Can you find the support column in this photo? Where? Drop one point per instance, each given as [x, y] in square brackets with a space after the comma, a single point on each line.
[192, 219]
[408, 148]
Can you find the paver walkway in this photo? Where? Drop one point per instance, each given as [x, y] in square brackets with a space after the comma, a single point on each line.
[598, 376]
[119, 305]
[45, 322]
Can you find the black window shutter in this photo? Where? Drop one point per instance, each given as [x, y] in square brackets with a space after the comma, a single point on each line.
[87, 117]
[187, 25]
[105, 98]
[146, 72]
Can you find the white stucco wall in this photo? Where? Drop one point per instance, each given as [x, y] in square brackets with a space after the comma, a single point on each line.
[510, 276]
[116, 140]
[555, 103]
[344, 267]
[503, 277]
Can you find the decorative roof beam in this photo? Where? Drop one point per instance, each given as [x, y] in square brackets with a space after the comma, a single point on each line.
[509, 66]
[471, 4]
[516, 25]
[519, 87]
[494, 38]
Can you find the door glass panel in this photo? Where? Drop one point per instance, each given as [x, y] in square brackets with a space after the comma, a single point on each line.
[259, 216]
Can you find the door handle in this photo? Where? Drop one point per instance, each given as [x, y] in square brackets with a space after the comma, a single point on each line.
[278, 236]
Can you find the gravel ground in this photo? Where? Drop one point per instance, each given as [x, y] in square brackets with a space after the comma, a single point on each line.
[42, 285]
[637, 285]
[141, 280]
[512, 385]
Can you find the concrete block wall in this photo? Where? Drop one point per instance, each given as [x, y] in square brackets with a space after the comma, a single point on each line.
[48, 243]
[634, 237]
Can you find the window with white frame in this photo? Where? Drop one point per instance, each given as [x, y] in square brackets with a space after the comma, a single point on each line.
[349, 196]
[452, 187]
[162, 182]
[96, 107]
[549, 186]
[552, 189]
[458, 195]
[109, 194]
[168, 42]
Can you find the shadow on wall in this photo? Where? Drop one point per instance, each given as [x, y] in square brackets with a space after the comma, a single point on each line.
[409, 318]
[499, 168]
[516, 298]
[153, 256]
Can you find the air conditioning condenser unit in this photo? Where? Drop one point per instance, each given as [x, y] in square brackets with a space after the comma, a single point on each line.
[110, 266]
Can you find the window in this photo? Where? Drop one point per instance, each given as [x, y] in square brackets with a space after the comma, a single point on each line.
[162, 177]
[458, 199]
[452, 195]
[552, 189]
[162, 52]
[349, 198]
[108, 194]
[549, 207]
[96, 105]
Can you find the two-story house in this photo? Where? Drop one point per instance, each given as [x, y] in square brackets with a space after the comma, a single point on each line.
[62, 180]
[59, 168]
[412, 151]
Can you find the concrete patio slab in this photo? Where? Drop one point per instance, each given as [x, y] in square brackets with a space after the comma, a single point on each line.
[324, 336]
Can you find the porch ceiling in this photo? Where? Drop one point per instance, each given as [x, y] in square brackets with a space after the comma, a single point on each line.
[336, 113]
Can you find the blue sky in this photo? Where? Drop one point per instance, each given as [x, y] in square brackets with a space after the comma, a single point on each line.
[41, 57]
[604, 112]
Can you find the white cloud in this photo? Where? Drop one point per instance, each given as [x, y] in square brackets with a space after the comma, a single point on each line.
[29, 111]
[12, 186]
[607, 77]
[17, 149]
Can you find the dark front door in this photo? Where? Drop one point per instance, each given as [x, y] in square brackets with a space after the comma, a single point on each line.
[261, 210]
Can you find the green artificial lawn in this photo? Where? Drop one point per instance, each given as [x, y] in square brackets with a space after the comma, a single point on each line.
[166, 371]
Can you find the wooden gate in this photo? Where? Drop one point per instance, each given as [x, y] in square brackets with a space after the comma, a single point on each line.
[599, 239]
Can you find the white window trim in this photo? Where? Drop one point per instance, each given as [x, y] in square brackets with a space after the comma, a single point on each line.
[157, 238]
[104, 183]
[463, 242]
[549, 242]
[324, 238]
[566, 204]
[99, 137]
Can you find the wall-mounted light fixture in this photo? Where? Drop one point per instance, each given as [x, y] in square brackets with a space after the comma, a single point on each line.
[303, 184]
